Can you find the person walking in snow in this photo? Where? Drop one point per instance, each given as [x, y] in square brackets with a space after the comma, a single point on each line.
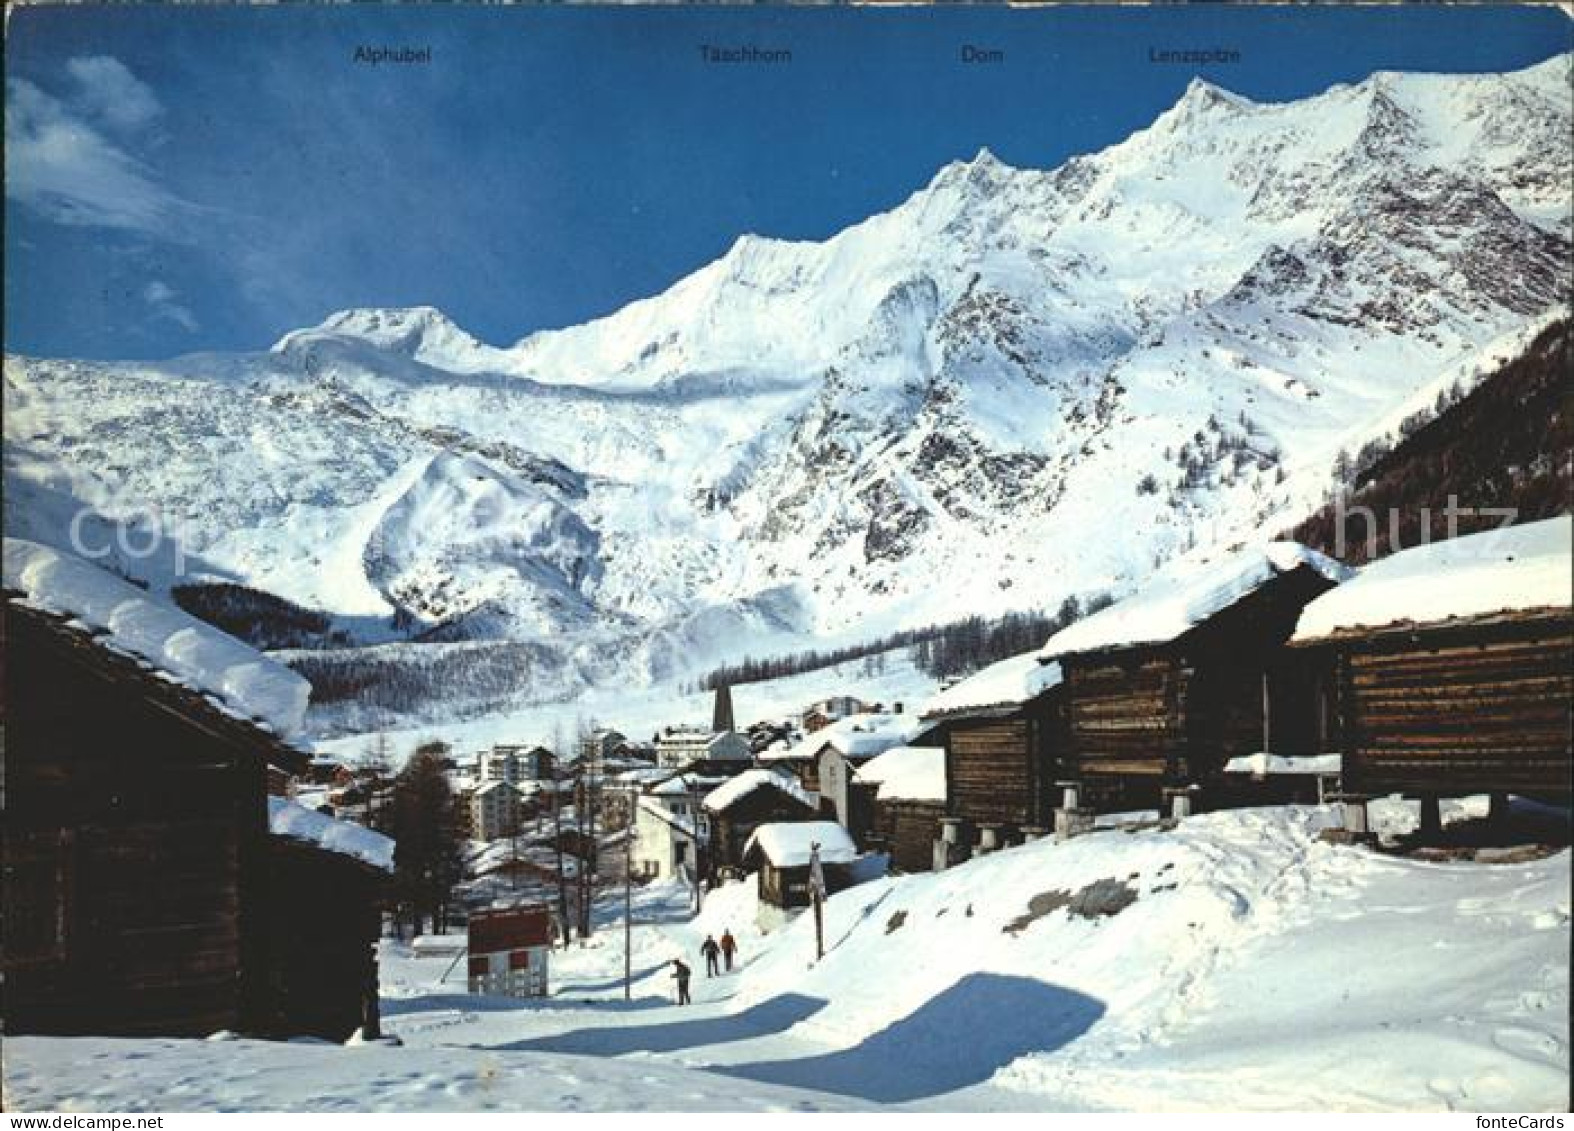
[681, 973]
[729, 947]
[711, 952]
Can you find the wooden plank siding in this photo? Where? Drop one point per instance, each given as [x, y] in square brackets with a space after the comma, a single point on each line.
[1002, 770]
[1452, 711]
[323, 915]
[907, 831]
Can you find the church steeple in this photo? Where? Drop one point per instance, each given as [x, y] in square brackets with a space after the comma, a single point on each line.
[721, 720]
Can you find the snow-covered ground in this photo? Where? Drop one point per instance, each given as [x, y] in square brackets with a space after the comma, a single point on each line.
[1234, 961]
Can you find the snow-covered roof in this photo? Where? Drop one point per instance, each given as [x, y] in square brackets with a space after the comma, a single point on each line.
[787, 845]
[736, 789]
[686, 783]
[296, 822]
[857, 736]
[1008, 682]
[907, 773]
[1179, 598]
[1498, 571]
[656, 809]
[124, 619]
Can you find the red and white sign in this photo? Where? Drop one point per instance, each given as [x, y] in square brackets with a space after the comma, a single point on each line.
[508, 951]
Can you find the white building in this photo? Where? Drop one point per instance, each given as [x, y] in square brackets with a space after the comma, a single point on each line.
[668, 818]
[514, 764]
[677, 747]
[496, 810]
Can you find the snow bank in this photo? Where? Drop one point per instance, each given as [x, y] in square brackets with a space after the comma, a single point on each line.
[1010, 681]
[1523, 567]
[788, 845]
[1256, 968]
[1180, 598]
[907, 773]
[129, 621]
[750, 780]
[287, 819]
[1264, 763]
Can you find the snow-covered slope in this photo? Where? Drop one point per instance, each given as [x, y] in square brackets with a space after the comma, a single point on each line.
[1013, 386]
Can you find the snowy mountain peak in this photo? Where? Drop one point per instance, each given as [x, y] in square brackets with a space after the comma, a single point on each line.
[927, 411]
[422, 333]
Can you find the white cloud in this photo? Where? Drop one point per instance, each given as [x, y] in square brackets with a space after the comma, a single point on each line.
[107, 91]
[160, 297]
[59, 165]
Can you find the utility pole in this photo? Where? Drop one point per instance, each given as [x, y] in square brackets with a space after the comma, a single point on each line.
[694, 826]
[817, 895]
[631, 800]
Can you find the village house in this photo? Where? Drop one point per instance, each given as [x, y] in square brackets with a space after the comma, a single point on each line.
[678, 748]
[138, 893]
[906, 789]
[600, 748]
[824, 761]
[670, 832]
[744, 803]
[781, 855]
[1164, 688]
[1004, 733]
[515, 764]
[818, 716]
[497, 809]
[1448, 669]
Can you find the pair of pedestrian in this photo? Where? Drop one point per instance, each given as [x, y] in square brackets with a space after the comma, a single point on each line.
[714, 952]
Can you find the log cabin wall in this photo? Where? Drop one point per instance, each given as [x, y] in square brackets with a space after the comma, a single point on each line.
[132, 833]
[732, 828]
[1454, 711]
[1002, 770]
[906, 830]
[1123, 713]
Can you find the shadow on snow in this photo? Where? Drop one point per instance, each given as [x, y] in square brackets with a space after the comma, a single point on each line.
[774, 1016]
[957, 1039]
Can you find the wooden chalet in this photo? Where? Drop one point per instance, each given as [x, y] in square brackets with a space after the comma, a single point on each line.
[906, 790]
[1165, 687]
[324, 886]
[1449, 668]
[781, 855]
[1004, 734]
[739, 807]
[136, 891]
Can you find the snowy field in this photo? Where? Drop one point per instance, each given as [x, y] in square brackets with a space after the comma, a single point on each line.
[1235, 961]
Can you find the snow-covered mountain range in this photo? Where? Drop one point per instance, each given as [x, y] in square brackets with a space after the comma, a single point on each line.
[1014, 386]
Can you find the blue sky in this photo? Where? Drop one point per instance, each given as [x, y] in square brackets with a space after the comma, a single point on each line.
[187, 178]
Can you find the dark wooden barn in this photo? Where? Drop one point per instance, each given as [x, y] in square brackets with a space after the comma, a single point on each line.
[1004, 734]
[906, 798]
[780, 854]
[324, 886]
[753, 798]
[136, 842]
[1449, 668]
[135, 835]
[1165, 687]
